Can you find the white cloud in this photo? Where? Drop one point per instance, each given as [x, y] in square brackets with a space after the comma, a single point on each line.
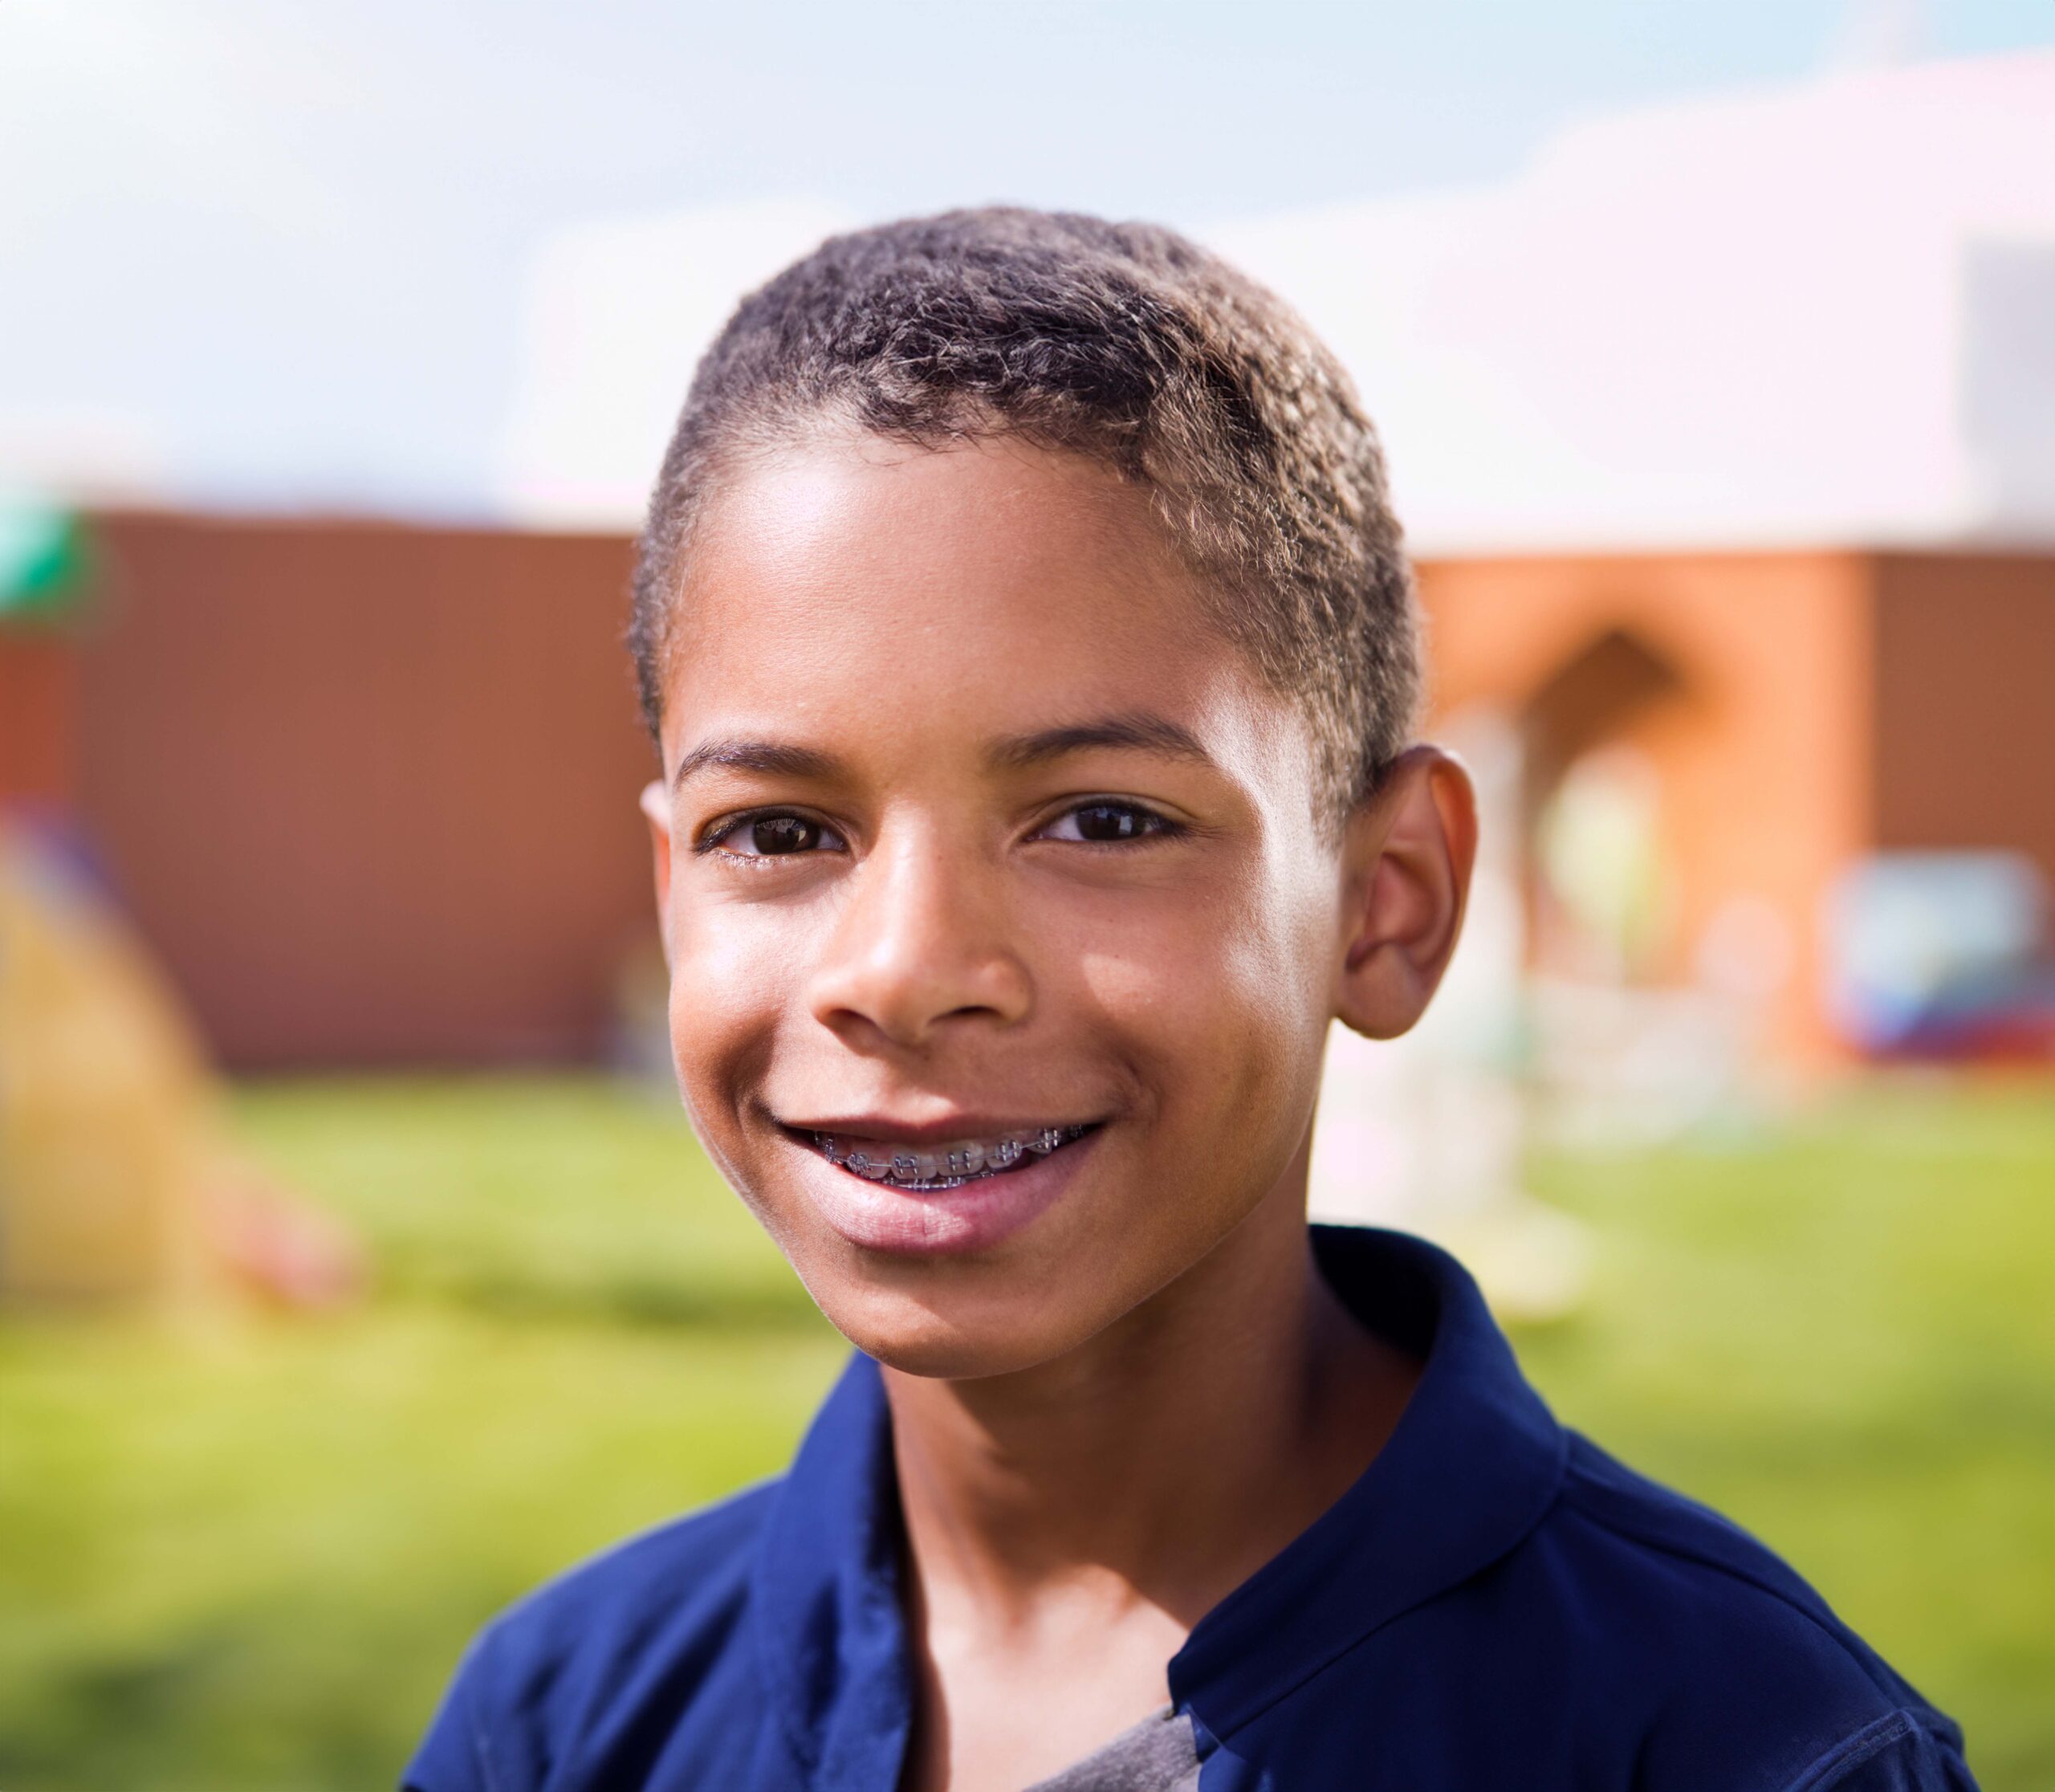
[618, 317]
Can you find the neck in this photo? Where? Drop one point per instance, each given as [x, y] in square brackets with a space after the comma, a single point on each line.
[1161, 1463]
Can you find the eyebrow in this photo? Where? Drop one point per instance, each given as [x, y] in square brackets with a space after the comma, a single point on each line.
[1137, 730]
[773, 758]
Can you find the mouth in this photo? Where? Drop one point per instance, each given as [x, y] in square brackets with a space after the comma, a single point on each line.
[950, 1163]
[940, 1190]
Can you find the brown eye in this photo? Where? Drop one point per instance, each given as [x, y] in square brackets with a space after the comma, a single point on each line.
[774, 835]
[1107, 823]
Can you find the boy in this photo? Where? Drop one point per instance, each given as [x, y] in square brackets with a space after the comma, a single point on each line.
[1031, 659]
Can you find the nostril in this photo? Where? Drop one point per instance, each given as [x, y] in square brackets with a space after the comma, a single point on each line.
[920, 941]
[907, 1007]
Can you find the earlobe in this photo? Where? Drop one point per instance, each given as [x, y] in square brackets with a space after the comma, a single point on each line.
[656, 810]
[1406, 864]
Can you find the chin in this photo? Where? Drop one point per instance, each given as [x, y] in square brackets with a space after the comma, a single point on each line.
[961, 1333]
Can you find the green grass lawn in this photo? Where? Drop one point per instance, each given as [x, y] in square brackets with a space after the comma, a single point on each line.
[243, 1553]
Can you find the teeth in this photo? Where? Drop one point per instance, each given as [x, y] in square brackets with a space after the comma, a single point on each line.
[951, 1166]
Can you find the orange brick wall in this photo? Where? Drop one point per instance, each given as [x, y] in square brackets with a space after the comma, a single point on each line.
[1965, 715]
[39, 719]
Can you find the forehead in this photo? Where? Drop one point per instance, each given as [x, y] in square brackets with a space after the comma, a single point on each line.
[863, 586]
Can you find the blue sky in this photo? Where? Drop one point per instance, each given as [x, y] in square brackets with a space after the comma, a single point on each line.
[288, 242]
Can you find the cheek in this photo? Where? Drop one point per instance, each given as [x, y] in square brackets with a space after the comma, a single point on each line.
[1219, 1001]
[725, 1001]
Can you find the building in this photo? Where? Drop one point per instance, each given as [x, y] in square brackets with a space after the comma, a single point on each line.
[369, 790]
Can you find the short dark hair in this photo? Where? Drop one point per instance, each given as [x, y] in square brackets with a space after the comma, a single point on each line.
[1122, 342]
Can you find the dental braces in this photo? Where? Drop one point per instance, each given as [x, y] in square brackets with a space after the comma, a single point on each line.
[930, 1171]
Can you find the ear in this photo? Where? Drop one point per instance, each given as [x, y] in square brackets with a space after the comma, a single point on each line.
[1406, 861]
[655, 805]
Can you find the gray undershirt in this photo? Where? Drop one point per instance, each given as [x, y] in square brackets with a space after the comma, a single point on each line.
[1159, 1754]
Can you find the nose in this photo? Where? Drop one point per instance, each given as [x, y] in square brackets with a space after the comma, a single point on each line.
[921, 943]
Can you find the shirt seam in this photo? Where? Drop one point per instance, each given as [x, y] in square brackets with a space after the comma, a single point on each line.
[1833, 1767]
[481, 1746]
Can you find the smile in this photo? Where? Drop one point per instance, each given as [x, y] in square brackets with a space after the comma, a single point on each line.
[947, 1165]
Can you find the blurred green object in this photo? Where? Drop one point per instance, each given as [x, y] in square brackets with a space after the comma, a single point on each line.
[246, 1555]
[43, 561]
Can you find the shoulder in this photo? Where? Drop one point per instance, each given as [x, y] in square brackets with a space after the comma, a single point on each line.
[1645, 1551]
[651, 1622]
[1747, 1677]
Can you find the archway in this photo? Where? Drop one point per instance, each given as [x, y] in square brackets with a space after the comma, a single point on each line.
[1592, 828]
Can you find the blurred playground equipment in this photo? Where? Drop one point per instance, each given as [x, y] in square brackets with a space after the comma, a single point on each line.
[101, 1163]
[1944, 955]
[116, 1183]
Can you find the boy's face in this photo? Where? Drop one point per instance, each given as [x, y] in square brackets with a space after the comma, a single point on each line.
[974, 838]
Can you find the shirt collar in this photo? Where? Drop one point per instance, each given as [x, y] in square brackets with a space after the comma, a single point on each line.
[1473, 1464]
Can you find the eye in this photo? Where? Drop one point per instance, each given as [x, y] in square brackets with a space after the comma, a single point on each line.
[774, 835]
[1107, 824]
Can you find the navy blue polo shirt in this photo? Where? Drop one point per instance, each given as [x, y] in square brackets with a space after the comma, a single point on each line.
[1496, 1606]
